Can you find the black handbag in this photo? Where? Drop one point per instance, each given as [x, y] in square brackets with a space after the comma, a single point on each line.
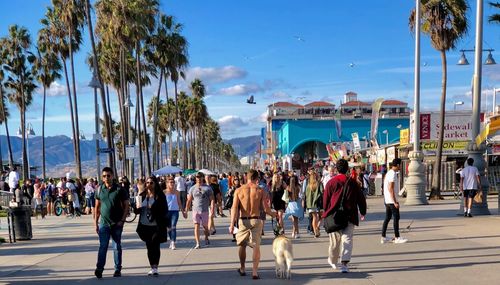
[338, 219]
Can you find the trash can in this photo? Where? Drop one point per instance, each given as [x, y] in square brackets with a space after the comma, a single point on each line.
[21, 219]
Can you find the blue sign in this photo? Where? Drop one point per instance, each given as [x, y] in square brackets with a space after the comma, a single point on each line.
[106, 150]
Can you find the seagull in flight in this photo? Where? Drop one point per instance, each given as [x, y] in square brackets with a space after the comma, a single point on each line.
[251, 100]
[352, 64]
[299, 38]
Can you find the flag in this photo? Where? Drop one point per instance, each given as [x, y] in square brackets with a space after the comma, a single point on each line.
[338, 124]
[374, 126]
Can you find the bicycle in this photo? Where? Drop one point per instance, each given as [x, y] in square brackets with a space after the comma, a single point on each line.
[131, 211]
[60, 207]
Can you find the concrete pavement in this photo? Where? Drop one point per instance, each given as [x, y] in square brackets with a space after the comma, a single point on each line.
[443, 248]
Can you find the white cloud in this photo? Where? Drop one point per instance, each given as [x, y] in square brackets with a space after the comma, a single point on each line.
[231, 122]
[211, 75]
[66, 118]
[492, 72]
[241, 89]
[56, 89]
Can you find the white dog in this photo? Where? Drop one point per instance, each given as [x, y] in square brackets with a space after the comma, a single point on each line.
[283, 254]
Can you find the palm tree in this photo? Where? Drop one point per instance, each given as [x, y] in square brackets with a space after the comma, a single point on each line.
[495, 18]
[4, 112]
[97, 70]
[56, 31]
[48, 67]
[445, 22]
[71, 13]
[178, 61]
[21, 80]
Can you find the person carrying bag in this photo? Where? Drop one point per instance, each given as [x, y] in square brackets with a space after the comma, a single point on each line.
[342, 198]
[153, 222]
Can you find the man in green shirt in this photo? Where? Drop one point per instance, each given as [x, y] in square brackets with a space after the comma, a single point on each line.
[112, 206]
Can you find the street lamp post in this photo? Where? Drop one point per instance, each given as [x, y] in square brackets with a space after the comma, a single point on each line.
[415, 184]
[129, 105]
[386, 132]
[457, 103]
[476, 151]
[29, 131]
[94, 83]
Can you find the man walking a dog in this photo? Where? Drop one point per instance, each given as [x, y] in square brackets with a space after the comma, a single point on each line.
[247, 204]
[341, 241]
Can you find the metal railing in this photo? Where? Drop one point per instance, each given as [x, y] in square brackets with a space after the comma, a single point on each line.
[5, 198]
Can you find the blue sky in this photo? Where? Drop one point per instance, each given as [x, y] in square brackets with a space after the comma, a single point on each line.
[282, 51]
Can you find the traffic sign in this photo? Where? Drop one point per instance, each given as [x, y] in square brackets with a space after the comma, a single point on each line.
[106, 150]
[131, 151]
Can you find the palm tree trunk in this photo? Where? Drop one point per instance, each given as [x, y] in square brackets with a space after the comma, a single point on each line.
[77, 125]
[70, 102]
[436, 181]
[111, 132]
[120, 96]
[155, 122]
[184, 150]
[177, 120]
[11, 160]
[138, 131]
[141, 106]
[43, 130]
[107, 121]
[170, 148]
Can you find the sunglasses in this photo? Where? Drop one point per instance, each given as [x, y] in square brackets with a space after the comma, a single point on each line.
[106, 175]
[149, 182]
[171, 181]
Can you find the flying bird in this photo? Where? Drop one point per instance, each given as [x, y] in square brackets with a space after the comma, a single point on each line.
[351, 64]
[425, 63]
[299, 38]
[251, 100]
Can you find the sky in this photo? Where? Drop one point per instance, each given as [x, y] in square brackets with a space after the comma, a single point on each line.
[281, 50]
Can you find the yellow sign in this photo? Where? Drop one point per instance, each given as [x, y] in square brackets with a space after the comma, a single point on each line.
[404, 137]
[455, 145]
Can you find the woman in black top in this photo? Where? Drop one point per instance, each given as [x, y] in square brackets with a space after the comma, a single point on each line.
[152, 226]
[277, 190]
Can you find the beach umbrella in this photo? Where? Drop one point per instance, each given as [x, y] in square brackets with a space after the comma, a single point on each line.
[206, 172]
[169, 169]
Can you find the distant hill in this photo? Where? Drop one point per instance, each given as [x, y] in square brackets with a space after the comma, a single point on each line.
[59, 152]
[245, 145]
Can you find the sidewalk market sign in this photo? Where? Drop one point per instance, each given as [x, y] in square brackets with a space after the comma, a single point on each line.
[457, 126]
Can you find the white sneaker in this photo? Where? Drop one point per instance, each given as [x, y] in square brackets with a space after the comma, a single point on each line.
[344, 268]
[386, 240]
[400, 240]
[333, 265]
[153, 272]
[197, 246]
[297, 236]
[172, 245]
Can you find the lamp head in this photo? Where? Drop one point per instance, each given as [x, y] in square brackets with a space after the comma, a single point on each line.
[94, 82]
[463, 60]
[490, 60]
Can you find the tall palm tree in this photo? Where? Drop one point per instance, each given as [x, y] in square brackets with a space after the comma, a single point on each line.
[72, 15]
[178, 61]
[495, 18]
[48, 67]
[56, 30]
[21, 79]
[445, 21]
[97, 70]
[4, 111]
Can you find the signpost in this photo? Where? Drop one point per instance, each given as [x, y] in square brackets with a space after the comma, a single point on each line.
[130, 152]
[355, 140]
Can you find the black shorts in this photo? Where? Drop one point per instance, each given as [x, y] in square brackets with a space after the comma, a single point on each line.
[469, 193]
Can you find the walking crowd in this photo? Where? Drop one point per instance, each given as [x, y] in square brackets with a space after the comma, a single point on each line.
[159, 201]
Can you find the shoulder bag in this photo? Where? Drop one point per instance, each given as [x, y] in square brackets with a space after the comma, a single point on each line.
[338, 219]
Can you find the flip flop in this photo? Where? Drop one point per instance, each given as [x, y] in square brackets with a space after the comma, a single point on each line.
[255, 277]
[241, 273]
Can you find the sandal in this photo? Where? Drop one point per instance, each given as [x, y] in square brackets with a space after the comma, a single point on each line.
[255, 277]
[241, 273]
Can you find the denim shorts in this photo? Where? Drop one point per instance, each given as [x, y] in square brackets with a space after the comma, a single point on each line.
[469, 193]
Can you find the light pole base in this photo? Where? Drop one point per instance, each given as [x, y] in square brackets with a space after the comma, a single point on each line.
[415, 184]
[478, 209]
